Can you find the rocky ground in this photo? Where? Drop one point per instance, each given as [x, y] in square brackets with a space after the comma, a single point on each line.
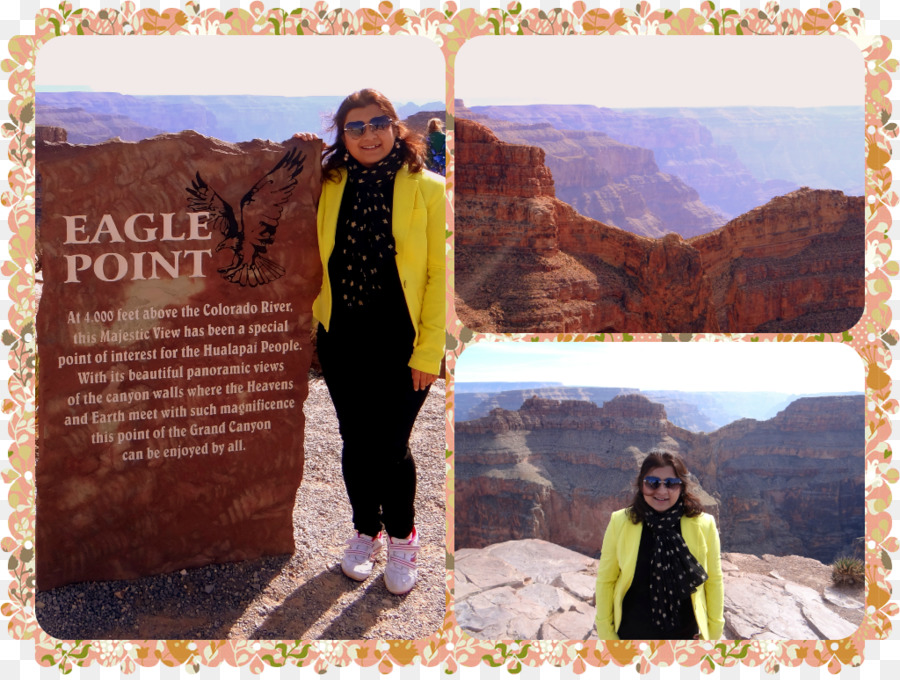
[299, 596]
[525, 590]
[788, 597]
[532, 589]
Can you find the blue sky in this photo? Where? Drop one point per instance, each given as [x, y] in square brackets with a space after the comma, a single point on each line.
[793, 368]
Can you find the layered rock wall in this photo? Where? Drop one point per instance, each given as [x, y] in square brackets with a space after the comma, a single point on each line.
[508, 174]
[527, 262]
[49, 133]
[797, 259]
[614, 183]
[793, 483]
[684, 146]
[556, 470]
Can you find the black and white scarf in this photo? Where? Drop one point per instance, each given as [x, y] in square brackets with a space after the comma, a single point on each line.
[369, 241]
[674, 572]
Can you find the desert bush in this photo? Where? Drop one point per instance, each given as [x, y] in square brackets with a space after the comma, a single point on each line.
[847, 570]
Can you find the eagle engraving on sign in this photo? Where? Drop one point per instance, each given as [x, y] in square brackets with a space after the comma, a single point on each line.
[253, 231]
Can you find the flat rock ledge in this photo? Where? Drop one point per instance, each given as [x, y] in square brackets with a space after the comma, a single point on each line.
[525, 590]
[769, 607]
[535, 590]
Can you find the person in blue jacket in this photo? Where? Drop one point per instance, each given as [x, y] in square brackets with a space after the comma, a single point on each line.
[660, 576]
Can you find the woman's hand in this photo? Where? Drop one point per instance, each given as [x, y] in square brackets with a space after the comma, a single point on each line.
[306, 136]
[421, 380]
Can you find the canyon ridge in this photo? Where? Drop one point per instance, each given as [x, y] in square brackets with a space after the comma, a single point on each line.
[556, 470]
[736, 157]
[527, 262]
[697, 411]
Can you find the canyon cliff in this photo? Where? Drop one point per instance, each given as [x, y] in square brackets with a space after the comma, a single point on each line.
[775, 143]
[528, 262]
[736, 158]
[694, 411]
[556, 470]
[92, 117]
[614, 183]
[792, 484]
[85, 127]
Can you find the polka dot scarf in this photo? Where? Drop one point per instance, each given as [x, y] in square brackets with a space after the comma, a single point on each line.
[369, 242]
[674, 571]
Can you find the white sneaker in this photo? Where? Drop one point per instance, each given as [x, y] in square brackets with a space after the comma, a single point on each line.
[359, 556]
[401, 570]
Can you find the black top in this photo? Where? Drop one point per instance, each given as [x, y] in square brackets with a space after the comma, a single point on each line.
[636, 621]
[386, 309]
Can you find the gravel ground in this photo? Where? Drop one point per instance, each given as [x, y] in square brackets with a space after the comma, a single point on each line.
[299, 596]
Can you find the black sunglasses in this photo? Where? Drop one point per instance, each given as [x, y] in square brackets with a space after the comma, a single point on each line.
[654, 482]
[357, 128]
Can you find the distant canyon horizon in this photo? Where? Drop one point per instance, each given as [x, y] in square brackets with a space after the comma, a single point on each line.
[694, 410]
[700, 167]
[556, 470]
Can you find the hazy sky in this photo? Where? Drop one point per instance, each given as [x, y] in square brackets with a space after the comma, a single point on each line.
[405, 68]
[793, 368]
[654, 71]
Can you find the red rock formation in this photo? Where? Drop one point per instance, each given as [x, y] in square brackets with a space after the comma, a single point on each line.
[794, 482]
[557, 469]
[775, 143]
[418, 122]
[612, 182]
[793, 264]
[526, 262]
[499, 169]
[537, 413]
[49, 133]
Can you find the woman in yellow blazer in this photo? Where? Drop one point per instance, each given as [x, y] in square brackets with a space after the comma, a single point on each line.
[380, 337]
[660, 575]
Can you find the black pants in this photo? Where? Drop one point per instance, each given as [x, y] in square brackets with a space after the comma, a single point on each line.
[371, 388]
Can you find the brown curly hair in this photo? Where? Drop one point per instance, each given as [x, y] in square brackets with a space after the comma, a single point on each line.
[655, 459]
[412, 146]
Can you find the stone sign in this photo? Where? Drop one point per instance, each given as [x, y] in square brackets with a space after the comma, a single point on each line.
[173, 334]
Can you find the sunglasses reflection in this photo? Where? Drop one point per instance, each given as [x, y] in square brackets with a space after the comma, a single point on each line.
[669, 482]
[358, 128]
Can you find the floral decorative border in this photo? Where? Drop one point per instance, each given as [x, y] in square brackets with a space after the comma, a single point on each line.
[450, 28]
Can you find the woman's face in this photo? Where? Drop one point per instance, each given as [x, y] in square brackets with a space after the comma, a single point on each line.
[372, 146]
[661, 498]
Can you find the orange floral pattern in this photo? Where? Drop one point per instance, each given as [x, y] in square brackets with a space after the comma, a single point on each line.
[450, 28]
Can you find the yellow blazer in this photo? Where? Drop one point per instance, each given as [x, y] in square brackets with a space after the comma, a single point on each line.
[619, 557]
[419, 233]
